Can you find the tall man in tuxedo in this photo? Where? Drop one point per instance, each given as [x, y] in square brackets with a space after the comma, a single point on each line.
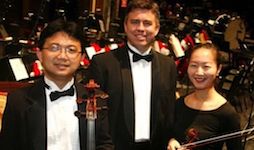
[36, 117]
[140, 83]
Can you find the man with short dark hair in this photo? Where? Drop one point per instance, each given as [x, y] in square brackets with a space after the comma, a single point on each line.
[140, 82]
[41, 116]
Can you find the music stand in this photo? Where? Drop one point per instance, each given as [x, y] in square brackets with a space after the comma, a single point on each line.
[13, 69]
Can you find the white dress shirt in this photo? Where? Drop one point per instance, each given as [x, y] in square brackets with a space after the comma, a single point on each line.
[141, 76]
[62, 124]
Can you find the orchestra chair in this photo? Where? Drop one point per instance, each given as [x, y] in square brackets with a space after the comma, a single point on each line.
[5, 88]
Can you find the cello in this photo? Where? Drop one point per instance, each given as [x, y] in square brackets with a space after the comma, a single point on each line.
[90, 112]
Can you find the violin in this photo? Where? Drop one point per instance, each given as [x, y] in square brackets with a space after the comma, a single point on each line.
[91, 109]
[193, 135]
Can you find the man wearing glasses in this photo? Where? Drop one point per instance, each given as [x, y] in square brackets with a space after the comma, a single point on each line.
[38, 117]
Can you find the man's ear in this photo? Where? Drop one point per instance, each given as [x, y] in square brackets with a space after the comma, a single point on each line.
[157, 29]
[39, 56]
[83, 56]
[125, 26]
[219, 69]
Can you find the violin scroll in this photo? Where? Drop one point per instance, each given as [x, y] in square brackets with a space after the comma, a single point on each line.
[192, 135]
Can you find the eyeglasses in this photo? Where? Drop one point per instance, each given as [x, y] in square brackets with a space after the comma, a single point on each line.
[70, 50]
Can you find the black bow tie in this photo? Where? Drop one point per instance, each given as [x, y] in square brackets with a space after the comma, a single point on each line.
[136, 57]
[56, 94]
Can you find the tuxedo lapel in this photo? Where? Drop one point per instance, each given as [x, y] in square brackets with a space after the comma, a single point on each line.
[127, 90]
[128, 93]
[36, 116]
[155, 91]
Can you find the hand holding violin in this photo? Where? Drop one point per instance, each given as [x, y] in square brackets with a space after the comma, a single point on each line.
[173, 144]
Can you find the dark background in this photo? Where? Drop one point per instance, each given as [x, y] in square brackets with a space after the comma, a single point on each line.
[12, 12]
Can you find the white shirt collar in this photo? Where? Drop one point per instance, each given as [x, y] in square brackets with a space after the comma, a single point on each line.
[137, 51]
[54, 87]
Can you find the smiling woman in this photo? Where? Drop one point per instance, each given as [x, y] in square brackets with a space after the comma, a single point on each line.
[206, 111]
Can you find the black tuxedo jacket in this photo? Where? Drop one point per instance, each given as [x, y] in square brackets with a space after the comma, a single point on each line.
[24, 122]
[113, 72]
